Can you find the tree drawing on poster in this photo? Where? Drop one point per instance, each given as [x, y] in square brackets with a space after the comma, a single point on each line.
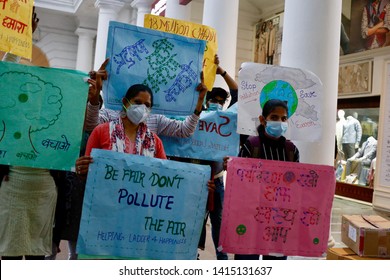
[142, 207]
[300, 89]
[277, 207]
[41, 116]
[168, 63]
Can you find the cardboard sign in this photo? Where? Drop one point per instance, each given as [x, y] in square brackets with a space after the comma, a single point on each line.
[15, 28]
[214, 138]
[142, 207]
[277, 207]
[41, 116]
[169, 64]
[191, 30]
[300, 89]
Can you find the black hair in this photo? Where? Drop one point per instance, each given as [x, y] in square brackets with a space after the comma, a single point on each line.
[217, 91]
[134, 90]
[271, 104]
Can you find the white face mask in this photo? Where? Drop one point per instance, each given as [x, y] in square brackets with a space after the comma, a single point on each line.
[137, 113]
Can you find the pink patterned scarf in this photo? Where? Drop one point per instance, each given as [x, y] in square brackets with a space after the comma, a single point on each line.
[144, 141]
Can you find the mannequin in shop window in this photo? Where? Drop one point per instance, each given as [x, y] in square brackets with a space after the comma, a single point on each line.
[359, 164]
[352, 134]
[339, 132]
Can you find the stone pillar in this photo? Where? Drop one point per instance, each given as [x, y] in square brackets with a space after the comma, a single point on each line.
[311, 41]
[223, 16]
[108, 10]
[85, 49]
[143, 7]
[177, 11]
[126, 13]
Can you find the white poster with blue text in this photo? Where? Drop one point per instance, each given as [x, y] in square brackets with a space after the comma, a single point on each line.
[214, 138]
[302, 90]
[139, 207]
[169, 64]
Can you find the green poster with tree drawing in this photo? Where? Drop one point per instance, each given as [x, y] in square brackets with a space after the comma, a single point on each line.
[41, 116]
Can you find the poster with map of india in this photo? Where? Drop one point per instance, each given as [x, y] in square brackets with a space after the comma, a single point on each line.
[300, 89]
[169, 64]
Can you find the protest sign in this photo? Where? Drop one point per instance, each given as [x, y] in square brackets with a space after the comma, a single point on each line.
[142, 207]
[300, 89]
[191, 30]
[214, 138]
[41, 116]
[277, 207]
[168, 63]
[15, 28]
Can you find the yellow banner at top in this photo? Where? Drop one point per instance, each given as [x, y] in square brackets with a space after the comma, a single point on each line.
[15, 27]
[192, 30]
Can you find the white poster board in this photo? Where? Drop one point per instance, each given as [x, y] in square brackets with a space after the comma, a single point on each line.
[301, 89]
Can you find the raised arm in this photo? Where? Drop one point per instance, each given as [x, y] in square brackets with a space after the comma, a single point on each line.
[231, 83]
[94, 102]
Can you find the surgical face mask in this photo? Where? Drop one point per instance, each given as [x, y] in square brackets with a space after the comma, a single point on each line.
[275, 128]
[215, 107]
[137, 113]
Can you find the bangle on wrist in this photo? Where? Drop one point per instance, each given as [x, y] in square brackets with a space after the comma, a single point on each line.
[223, 74]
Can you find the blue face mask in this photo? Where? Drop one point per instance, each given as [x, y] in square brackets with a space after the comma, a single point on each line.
[215, 107]
[276, 129]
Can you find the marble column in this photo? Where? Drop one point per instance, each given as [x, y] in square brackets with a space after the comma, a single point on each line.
[85, 48]
[126, 14]
[177, 11]
[223, 16]
[311, 41]
[143, 7]
[108, 10]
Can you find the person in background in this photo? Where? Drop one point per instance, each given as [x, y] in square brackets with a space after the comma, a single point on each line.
[215, 100]
[27, 205]
[269, 144]
[375, 24]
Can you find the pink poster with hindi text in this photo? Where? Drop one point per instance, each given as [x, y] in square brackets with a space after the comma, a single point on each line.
[276, 207]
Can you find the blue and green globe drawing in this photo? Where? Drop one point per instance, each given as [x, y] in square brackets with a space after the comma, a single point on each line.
[282, 90]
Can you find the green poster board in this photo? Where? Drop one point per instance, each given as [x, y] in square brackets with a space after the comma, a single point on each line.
[41, 116]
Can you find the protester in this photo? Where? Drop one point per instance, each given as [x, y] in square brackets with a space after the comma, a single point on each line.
[27, 205]
[215, 100]
[68, 219]
[270, 144]
[159, 124]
